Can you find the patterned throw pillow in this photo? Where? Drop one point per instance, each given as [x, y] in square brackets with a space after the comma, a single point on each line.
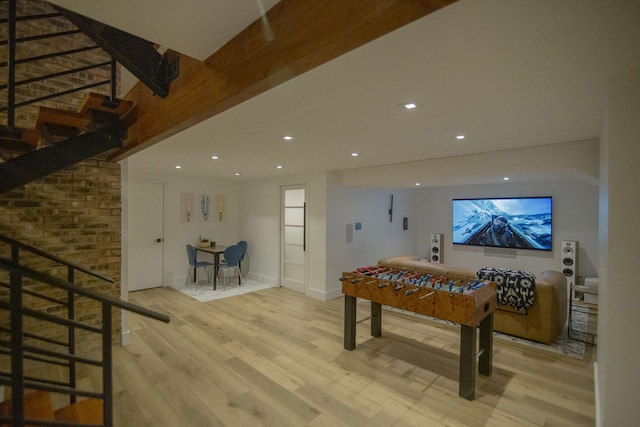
[515, 287]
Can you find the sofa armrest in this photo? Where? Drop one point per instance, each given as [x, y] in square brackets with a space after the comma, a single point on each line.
[394, 260]
[551, 298]
[411, 262]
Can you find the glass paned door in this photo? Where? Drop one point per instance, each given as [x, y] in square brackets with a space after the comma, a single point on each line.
[293, 239]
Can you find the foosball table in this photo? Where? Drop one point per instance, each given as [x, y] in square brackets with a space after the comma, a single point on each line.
[469, 303]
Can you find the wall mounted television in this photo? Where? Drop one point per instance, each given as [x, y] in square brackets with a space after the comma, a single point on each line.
[518, 223]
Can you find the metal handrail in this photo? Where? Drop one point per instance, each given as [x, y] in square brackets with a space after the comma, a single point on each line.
[44, 254]
[13, 41]
[71, 287]
[20, 350]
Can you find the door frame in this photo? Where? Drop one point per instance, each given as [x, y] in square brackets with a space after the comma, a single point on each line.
[125, 179]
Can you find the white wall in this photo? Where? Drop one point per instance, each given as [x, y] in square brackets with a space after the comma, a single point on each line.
[565, 160]
[253, 214]
[575, 217]
[259, 213]
[177, 234]
[378, 237]
[617, 377]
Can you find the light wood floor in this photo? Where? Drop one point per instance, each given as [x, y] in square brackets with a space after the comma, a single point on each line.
[276, 358]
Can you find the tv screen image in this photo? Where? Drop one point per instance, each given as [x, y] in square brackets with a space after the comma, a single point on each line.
[518, 223]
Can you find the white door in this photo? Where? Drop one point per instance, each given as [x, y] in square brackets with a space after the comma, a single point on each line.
[293, 238]
[145, 235]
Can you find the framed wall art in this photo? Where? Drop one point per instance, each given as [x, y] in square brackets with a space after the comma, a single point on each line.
[187, 207]
[205, 213]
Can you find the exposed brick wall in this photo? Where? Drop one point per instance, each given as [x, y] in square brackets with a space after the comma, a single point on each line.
[74, 214]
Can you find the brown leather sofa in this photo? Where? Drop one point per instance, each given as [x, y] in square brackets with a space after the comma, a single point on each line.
[543, 321]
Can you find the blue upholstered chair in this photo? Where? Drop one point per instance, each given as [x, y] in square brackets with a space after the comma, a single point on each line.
[194, 265]
[232, 256]
[244, 245]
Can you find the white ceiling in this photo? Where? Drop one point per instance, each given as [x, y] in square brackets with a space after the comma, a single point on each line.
[507, 74]
[196, 28]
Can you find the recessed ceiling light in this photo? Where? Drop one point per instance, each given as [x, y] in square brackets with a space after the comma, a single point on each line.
[279, 167]
[237, 173]
[214, 157]
[417, 184]
[459, 136]
[287, 137]
[410, 105]
[178, 167]
[354, 154]
[506, 178]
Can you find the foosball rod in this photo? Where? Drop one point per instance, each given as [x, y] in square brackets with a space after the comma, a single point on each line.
[427, 295]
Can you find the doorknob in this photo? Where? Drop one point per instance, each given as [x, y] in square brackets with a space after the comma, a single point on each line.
[159, 240]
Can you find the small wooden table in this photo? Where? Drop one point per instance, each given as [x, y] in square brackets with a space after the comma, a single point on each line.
[216, 251]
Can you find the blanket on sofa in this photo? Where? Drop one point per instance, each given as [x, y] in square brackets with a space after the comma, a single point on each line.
[515, 287]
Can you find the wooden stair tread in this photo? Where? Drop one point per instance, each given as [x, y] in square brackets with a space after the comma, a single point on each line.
[31, 137]
[37, 405]
[94, 101]
[89, 411]
[25, 140]
[47, 115]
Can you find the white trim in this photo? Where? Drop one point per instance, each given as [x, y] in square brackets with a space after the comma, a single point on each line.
[596, 392]
[126, 337]
[324, 295]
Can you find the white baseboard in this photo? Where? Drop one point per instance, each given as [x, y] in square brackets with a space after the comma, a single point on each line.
[263, 279]
[324, 295]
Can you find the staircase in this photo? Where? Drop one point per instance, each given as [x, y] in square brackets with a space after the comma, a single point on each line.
[40, 325]
[52, 327]
[62, 136]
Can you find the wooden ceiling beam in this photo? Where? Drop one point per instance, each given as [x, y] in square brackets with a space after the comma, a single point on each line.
[294, 37]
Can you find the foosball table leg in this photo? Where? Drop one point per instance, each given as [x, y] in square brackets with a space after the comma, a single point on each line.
[350, 322]
[467, 381]
[486, 346]
[376, 319]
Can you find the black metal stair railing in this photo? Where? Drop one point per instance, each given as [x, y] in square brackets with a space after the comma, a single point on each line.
[22, 345]
[13, 41]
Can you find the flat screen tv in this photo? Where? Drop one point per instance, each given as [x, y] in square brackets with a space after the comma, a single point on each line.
[518, 223]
